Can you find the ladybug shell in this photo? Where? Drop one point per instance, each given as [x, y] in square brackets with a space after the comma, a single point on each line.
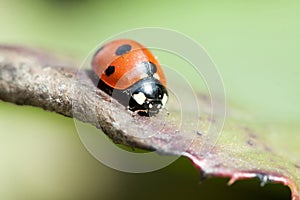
[121, 63]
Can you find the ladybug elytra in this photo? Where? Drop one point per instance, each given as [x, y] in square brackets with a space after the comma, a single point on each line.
[130, 73]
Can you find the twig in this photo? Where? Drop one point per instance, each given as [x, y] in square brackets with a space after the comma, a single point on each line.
[30, 78]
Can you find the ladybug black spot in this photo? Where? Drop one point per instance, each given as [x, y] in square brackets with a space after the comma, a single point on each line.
[100, 49]
[152, 68]
[110, 70]
[148, 67]
[123, 49]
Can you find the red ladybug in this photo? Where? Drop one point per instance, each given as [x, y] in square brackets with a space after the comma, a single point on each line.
[129, 72]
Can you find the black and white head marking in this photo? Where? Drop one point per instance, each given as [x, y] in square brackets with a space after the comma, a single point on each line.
[148, 96]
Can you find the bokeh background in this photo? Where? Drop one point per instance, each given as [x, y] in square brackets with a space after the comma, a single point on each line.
[255, 45]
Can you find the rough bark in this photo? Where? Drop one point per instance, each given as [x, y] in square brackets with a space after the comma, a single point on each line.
[33, 78]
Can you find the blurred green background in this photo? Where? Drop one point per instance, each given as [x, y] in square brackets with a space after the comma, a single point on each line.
[255, 45]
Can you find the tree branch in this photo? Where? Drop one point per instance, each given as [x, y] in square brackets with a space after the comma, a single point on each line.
[32, 78]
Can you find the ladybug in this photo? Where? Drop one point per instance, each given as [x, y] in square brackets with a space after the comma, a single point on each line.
[130, 73]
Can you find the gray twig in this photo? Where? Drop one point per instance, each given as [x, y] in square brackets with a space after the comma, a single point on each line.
[32, 78]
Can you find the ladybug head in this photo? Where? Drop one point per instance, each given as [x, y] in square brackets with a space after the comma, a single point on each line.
[148, 96]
